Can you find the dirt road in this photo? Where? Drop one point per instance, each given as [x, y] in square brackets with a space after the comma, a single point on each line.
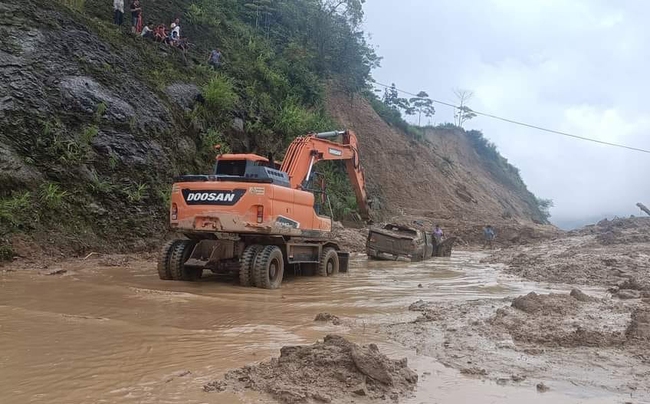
[107, 330]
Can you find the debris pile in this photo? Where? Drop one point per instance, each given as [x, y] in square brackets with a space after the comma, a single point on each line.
[330, 371]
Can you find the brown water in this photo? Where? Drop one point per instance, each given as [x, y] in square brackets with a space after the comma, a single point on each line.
[120, 335]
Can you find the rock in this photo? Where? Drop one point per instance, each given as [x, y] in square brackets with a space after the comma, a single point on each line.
[327, 317]
[627, 294]
[361, 390]
[580, 295]
[420, 305]
[475, 371]
[542, 388]
[183, 95]
[372, 365]
[217, 385]
[84, 94]
[323, 398]
[96, 209]
[15, 173]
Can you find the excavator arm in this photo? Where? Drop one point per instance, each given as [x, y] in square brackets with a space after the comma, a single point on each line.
[304, 152]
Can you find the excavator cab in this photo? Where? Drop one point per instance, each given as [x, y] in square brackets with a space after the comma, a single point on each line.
[249, 168]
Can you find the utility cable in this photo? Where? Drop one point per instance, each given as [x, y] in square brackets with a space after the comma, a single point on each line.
[557, 132]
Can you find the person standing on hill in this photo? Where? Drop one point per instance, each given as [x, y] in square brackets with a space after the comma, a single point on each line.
[489, 235]
[136, 14]
[214, 59]
[438, 234]
[118, 12]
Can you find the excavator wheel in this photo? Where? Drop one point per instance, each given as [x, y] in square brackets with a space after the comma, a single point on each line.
[247, 261]
[269, 268]
[180, 252]
[329, 263]
[164, 272]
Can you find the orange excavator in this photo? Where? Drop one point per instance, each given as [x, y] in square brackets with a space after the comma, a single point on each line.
[254, 217]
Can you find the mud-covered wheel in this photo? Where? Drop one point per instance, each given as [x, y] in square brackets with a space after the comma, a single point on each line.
[180, 253]
[164, 257]
[329, 263]
[269, 268]
[246, 265]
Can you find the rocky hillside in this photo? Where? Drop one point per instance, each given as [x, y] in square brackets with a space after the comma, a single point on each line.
[96, 122]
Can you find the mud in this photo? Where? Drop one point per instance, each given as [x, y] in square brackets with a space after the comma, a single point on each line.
[333, 371]
[106, 333]
[545, 338]
[614, 254]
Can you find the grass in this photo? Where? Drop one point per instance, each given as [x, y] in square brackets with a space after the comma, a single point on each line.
[77, 5]
[136, 193]
[13, 207]
[98, 185]
[52, 196]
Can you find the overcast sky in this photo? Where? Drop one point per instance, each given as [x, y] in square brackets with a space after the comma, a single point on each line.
[578, 66]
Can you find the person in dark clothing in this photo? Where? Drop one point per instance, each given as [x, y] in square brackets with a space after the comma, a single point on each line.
[215, 59]
[136, 12]
[118, 12]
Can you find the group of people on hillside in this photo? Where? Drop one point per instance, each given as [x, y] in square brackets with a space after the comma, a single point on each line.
[136, 14]
[488, 235]
[160, 33]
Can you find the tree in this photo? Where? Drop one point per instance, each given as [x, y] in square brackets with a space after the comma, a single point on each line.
[544, 206]
[393, 100]
[463, 112]
[422, 104]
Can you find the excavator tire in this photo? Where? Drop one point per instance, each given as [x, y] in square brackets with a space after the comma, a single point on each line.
[180, 253]
[329, 263]
[269, 268]
[164, 272]
[246, 262]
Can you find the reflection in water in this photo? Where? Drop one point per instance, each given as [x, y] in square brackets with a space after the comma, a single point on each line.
[120, 335]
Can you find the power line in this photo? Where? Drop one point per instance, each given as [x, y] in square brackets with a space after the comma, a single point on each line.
[557, 132]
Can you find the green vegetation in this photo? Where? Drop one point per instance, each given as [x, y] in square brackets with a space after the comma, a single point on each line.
[544, 206]
[220, 95]
[73, 4]
[136, 193]
[505, 172]
[52, 196]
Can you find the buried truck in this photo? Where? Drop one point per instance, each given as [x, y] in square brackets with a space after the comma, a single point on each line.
[393, 241]
[254, 218]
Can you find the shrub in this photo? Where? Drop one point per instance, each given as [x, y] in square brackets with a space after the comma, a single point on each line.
[219, 93]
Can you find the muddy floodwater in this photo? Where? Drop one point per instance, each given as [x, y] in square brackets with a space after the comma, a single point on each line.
[117, 334]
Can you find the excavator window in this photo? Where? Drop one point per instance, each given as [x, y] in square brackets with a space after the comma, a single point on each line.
[231, 167]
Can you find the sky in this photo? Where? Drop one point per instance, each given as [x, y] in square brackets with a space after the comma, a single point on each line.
[578, 66]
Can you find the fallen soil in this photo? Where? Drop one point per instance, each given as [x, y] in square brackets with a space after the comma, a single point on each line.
[332, 371]
[612, 253]
[537, 338]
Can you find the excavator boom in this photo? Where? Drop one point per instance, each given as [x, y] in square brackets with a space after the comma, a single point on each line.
[305, 151]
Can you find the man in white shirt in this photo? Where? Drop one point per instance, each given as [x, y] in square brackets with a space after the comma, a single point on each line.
[118, 7]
